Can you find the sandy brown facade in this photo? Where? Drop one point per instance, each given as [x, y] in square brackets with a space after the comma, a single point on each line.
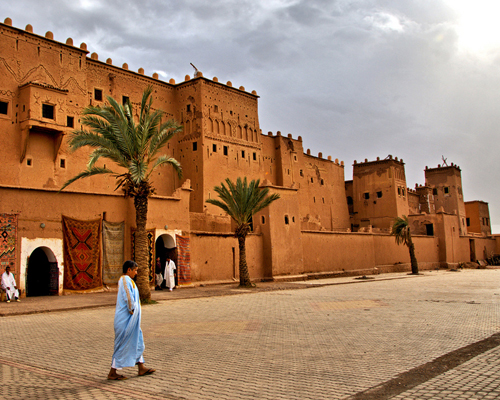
[322, 225]
[478, 217]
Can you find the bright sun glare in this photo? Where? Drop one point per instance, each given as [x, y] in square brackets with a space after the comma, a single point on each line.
[478, 27]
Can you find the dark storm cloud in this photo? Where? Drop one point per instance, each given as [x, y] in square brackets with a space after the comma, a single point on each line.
[355, 78]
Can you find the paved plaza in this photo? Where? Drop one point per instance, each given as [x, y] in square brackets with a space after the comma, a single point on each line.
[433, 336]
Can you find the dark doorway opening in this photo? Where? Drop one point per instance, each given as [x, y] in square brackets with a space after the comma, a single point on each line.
[165, 247]
[472, 246]
[43, 273]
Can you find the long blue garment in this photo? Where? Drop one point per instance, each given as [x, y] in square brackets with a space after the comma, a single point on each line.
[129, 343]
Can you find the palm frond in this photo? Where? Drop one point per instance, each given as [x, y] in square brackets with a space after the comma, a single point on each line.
[113, 134]
[242, 200]
[167, 160]
[401, 230]
[85, 174]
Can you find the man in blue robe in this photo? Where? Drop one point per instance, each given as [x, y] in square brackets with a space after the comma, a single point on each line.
[129, 343]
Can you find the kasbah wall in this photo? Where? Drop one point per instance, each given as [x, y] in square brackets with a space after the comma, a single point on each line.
[321, 226]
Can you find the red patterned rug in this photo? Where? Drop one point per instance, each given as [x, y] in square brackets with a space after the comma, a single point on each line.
[183, 260]
[82, 254]
[151, 251]
[8, 241]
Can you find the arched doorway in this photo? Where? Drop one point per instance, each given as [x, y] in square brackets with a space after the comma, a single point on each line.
[42, 274]
[165, 247]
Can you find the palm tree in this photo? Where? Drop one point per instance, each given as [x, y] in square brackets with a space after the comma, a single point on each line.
[134, 147]
[401, 230]
[241, 202]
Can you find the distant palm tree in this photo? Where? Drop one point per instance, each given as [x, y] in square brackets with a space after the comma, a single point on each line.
[241, 202]
[134, 148]
[401, 230]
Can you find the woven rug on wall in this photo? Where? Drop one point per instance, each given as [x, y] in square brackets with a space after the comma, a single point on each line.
[151, 251]
[183, 260]
[82, 254]
[113, 235]
[8, 241]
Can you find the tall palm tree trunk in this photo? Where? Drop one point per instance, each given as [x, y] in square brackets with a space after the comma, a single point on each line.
[244, 275]
[141, 247]
[413, 258]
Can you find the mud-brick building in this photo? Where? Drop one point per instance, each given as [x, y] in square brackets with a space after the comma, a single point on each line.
[379, 193]
[478, 217]
[77, 239]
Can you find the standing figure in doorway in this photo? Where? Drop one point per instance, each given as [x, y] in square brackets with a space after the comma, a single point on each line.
[9, 285]
[169, 274]
[129, 342]
[159, 276]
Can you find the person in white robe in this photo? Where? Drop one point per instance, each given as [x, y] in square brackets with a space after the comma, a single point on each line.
[169, 274]
[9, 285]
[129, 342]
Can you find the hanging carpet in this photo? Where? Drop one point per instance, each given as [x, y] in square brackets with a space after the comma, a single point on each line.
[8, 241]
[183, 260]
[151, 252]
[113, 235]
[82, 254]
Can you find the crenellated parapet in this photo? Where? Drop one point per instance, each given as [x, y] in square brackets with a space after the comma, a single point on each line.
[389, 158]
[49, 36]
[443, 167]
[308, 151]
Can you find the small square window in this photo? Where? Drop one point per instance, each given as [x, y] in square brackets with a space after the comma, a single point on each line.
[125, 100]
[322, 182]
[48, 111]
[446, 190]
[216, 108]
[195, 146]
[226, 150]
[4, 107]
[379, 194]
[312, 180]
[366, 196]
[188, 108]
[62, 163]
[98, 94]
[242, 153]
[255, 156]
[301, 173]
[214, 148]
[29, 162]
[434, 191]
[70, 122]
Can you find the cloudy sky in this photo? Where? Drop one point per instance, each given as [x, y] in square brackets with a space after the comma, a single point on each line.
[355, 78]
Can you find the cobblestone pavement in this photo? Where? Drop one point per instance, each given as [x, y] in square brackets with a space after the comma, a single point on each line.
[324, 342]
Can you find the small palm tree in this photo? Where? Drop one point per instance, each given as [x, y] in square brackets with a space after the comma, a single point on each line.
[135, 148]
[241, 202]
[401, 230]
